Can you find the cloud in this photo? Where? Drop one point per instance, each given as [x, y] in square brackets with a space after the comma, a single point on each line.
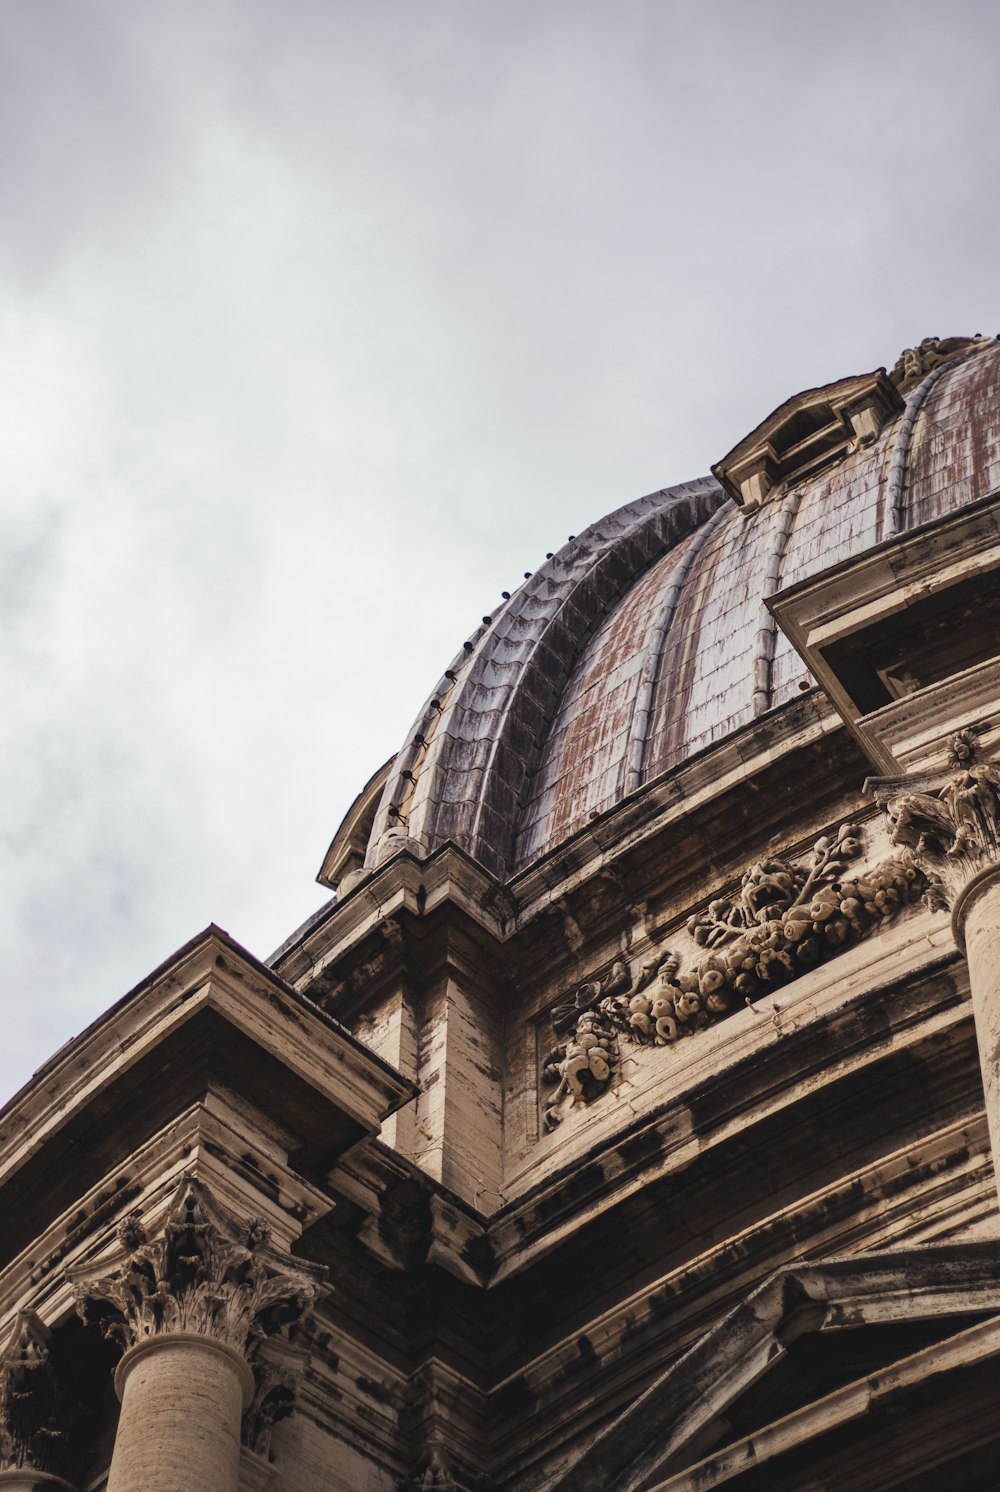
[322, 323]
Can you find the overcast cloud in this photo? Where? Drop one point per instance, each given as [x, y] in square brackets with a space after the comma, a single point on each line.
[320, 323]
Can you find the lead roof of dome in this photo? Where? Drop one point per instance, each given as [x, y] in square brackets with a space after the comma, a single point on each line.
[646, 638]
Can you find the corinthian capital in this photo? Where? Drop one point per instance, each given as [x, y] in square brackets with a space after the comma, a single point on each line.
[36, 1421]
[950, 821]
[205, 1272]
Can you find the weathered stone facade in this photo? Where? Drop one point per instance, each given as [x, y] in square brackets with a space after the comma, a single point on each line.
[626, 1121]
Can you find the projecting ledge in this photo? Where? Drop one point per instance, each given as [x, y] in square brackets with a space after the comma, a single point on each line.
[900, 633]
[407, 884]
[210, 1020]
[685, 1414]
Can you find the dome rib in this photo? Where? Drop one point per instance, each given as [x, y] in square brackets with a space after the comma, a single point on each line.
[767, 627]
[635, 752]
[898, 510]
[463, 770]
[895, 485]
[645, 640]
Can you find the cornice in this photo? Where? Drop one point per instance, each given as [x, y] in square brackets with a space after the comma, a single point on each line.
[223, 1145]
[404, 885]
[741, 1073]
[729, 766]
[212, 1014]
[803, 1298]
[410, 885]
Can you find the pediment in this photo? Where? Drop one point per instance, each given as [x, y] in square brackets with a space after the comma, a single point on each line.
[806, 433]
[346, 854]
[785, 1366]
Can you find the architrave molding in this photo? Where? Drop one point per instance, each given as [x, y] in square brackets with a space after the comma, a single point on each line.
[211, 1018]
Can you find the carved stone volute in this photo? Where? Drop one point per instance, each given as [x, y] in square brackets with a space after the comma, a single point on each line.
[914, 363]
[277, 1372]
[205, 1273]
[951, 821]
[191, 1304]
[34, 1430]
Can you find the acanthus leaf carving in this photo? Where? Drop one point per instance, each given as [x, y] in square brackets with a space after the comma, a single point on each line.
[272, 1402]
[204, 1273]
[434, 1472]
[951, 827]
[37, 1423]
[786, 918]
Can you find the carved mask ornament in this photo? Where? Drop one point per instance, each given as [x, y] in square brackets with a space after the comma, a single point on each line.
[951, 826]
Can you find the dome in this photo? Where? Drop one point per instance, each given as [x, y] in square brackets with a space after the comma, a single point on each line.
[647, 639]
[640, 1095]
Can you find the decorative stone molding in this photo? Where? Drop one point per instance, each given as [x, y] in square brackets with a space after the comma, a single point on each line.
[277, 1371]
[434, 1475]
[37, 1423]
[786, 918]
[951, 827]
[914, 363]
[807, 432]
[950, 822]
[206, 1274]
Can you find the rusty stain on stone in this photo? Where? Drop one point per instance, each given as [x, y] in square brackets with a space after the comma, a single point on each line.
[533, 740]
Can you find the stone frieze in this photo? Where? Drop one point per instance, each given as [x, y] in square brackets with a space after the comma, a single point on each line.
[787, 917]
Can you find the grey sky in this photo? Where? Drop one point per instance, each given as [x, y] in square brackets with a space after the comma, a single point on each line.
[321, 323]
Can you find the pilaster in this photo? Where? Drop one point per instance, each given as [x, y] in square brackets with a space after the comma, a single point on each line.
[950, 824]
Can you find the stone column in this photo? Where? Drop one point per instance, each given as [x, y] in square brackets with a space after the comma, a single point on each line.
[976, 920]
[183, 1398]
[951, 824]
[25, 1480]
[35, 1430]
[190, 1307]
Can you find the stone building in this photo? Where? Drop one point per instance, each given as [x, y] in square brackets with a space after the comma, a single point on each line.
[624, 1121]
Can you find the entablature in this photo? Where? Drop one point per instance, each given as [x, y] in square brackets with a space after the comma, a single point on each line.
[212, 1018]
[885, 632]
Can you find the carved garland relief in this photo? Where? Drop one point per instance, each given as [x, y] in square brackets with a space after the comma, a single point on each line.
[787, 917]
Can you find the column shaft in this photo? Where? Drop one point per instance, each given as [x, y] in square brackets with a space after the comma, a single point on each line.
[25, 1480]
[183, 1398]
